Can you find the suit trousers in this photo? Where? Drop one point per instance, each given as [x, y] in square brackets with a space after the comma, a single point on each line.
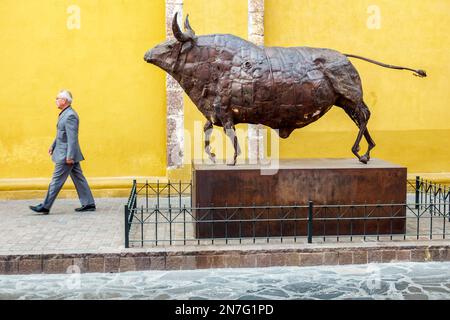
[62, 171]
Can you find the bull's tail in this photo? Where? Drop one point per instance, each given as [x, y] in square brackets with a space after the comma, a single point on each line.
[419, 73]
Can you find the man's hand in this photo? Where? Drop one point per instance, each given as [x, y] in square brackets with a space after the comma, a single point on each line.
[69, 161]
[50, 151]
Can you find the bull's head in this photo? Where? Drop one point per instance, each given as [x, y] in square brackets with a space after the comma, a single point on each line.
[166, 54]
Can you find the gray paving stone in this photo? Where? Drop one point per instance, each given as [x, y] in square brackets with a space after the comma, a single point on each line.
[63, 229]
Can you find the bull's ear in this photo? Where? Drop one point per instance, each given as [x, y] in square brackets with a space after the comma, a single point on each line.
[177, 33]
[186, 46]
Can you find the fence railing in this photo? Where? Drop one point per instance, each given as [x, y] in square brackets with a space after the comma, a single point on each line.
[130, 209]
[162, 214]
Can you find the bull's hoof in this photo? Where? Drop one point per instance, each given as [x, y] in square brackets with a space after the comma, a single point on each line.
[364, 159]
[232, 163]
[212, 157]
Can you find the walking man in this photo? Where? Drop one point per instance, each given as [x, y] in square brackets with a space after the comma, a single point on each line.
[66, 154]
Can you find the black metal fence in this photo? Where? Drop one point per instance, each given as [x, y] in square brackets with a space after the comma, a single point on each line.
[161, 213]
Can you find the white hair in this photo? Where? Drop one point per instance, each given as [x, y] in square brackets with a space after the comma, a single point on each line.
[65, 94]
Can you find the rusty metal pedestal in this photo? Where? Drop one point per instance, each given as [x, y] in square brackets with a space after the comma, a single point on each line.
[342, 182]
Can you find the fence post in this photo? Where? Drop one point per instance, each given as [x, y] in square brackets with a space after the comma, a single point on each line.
[310, 221]
[170, 223]
[127, 230]
[135, 196]
[132, 202]
[417, 191]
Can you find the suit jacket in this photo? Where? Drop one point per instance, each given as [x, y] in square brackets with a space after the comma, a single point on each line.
[66, 144]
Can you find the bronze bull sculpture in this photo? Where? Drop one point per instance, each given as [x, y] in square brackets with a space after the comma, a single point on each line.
[231, 81]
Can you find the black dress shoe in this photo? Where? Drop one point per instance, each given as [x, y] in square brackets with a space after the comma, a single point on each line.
[40, 209]
[88, 207]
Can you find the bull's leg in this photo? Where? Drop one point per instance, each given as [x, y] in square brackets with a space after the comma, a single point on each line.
[207, 129]
[356, 147]
[230, 131]
[371, 144]
[360, 115]
[364, 110]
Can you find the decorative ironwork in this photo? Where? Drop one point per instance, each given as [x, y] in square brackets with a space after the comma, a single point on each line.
[161, 213]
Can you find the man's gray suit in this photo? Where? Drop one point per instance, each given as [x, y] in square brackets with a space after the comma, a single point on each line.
[66, 146]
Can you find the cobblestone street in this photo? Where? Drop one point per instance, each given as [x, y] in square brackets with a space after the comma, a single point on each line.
[403, 281]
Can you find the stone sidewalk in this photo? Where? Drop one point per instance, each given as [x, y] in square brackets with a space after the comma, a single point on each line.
[94, 242]
[23, 231]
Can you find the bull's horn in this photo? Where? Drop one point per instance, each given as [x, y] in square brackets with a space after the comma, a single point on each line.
[178, 34]
[187, 26]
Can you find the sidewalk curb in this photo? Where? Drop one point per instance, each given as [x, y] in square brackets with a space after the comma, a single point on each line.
[190, 258]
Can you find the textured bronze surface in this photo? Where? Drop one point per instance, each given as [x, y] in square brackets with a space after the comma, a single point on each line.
[325, 182]
[231, 81]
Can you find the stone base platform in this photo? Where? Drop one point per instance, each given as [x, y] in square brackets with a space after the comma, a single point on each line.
[328, 182]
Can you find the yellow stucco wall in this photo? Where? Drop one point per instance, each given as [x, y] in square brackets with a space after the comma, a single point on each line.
[119, 98]
[410, 116]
